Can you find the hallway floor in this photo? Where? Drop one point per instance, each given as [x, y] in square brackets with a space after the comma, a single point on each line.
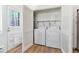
[75, 51]
[17, 49]
[42, 49]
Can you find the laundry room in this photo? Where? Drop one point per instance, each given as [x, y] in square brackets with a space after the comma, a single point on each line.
[47, 25]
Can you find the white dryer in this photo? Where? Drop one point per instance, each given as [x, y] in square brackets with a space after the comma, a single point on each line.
[52, 37]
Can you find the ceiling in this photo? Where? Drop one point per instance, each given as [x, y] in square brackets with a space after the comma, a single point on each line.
[40, 7]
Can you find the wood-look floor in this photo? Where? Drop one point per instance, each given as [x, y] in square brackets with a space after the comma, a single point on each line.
[17, 49]
[42, 49]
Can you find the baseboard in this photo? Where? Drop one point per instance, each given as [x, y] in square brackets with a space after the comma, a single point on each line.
[62, 50]
[14, 47]
[27, 47]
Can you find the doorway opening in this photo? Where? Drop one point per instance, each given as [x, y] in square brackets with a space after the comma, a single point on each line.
[76, 41]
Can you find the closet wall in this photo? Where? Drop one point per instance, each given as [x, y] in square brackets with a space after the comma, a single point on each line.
[27, 28]
[67, 29]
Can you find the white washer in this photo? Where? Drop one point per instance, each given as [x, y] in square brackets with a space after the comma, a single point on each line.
[39, 36]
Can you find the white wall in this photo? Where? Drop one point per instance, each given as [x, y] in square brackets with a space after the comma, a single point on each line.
[27, 28]
[0, 26]
[48, 15]
[3, 34]
[41, 7]
[0, 18]
[1, 40]
[67, 28]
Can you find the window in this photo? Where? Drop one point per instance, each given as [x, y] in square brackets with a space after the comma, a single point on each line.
[0, 18]
[14, 18]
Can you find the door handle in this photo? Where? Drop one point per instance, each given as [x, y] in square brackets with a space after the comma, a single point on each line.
[59, 28]
[8, 30]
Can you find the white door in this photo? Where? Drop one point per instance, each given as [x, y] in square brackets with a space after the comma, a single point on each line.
[13, 28]
[39, 36]
[52, 37]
